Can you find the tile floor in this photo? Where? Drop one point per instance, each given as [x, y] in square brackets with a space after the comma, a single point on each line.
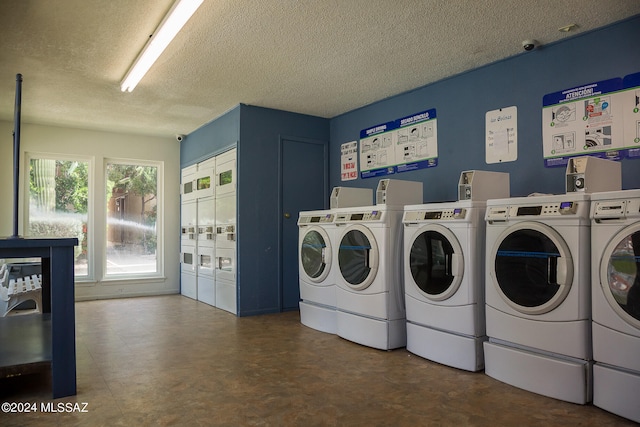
[169, 360]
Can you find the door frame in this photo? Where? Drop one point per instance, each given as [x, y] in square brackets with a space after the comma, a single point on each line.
[281, 139]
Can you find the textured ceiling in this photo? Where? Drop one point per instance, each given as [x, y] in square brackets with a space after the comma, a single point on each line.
[315, 57]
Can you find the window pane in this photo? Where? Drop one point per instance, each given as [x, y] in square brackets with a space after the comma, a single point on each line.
[131, 219]
[58, 203]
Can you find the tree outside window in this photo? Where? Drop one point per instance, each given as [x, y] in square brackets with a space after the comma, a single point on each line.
[131, 219]
[58, 203]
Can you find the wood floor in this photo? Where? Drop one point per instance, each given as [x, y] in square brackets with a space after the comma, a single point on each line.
[161, 361]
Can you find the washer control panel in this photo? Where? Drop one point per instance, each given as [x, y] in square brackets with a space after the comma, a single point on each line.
[316, 219]
[373, 215]
[435, 215]
[612, 209]
[558, 209]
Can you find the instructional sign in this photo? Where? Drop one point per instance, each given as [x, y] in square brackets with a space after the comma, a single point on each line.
[631, 114]
[599, 119]
[349, 161]
[502, 135]
[402, 145]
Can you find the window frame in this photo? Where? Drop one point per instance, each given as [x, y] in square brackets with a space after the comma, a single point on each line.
[128, 277]
[91, 253]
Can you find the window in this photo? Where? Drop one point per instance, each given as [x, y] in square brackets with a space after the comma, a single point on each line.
[132, 219]
[59, 204]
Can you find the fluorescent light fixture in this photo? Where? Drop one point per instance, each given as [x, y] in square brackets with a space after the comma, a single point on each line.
[179, 14]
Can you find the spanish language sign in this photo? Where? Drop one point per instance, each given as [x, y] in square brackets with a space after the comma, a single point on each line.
[599, 119]
[402, 145]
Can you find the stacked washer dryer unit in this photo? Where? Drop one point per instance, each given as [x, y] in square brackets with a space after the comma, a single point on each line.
[316, 239]
[208, 219]
[615, 266]
[444, 272]
[197, 214]
[225, 231]
[538, 309]
[370, 291]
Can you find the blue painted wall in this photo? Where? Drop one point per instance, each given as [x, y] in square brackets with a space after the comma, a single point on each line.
[211, 139]
[258, 132]
[259, 213]
[462, 101]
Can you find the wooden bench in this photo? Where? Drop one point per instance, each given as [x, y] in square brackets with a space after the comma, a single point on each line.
[14, 292]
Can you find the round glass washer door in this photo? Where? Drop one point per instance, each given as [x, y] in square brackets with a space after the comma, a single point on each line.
[358, 257]
[436, 262]
[531, 268]
[315, 254]
[620, 274]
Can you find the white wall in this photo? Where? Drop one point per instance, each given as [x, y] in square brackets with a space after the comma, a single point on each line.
[98, 146]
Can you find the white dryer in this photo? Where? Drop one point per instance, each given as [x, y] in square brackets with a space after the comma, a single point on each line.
[538, 290]
[317, 279]
[370, 292]
[615, 266]
[444, 282]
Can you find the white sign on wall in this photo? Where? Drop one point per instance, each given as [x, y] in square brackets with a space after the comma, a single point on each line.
[501, 126]
[349, 161]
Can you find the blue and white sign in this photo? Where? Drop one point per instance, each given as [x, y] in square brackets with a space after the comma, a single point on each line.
[631, 114]
[585, 120]
[405, 144]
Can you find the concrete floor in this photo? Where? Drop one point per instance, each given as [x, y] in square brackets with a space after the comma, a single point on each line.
[170, 360]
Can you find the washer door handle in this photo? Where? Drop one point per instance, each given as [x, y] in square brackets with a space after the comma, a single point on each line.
[372, 257]
[457, 265]
[561, 268]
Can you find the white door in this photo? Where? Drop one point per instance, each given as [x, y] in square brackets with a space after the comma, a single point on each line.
[226, 221]
[225, 267]
[188, 278]
[358, 257]
[531, 267]
[188, 221]
[206, 260]
[436, 262]
[315, 254]
[188, 186]
[620, 274]
[206, 222]
[226, 173]
[188, 260]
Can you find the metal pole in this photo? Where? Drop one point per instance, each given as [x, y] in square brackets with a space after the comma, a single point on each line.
[16, 153]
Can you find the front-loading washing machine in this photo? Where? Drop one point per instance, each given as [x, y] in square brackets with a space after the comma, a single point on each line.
[615, 267]
[443, 278]
[370, 292]
[444, 272]
[317, 279]
[316, 271]
[538, 289]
